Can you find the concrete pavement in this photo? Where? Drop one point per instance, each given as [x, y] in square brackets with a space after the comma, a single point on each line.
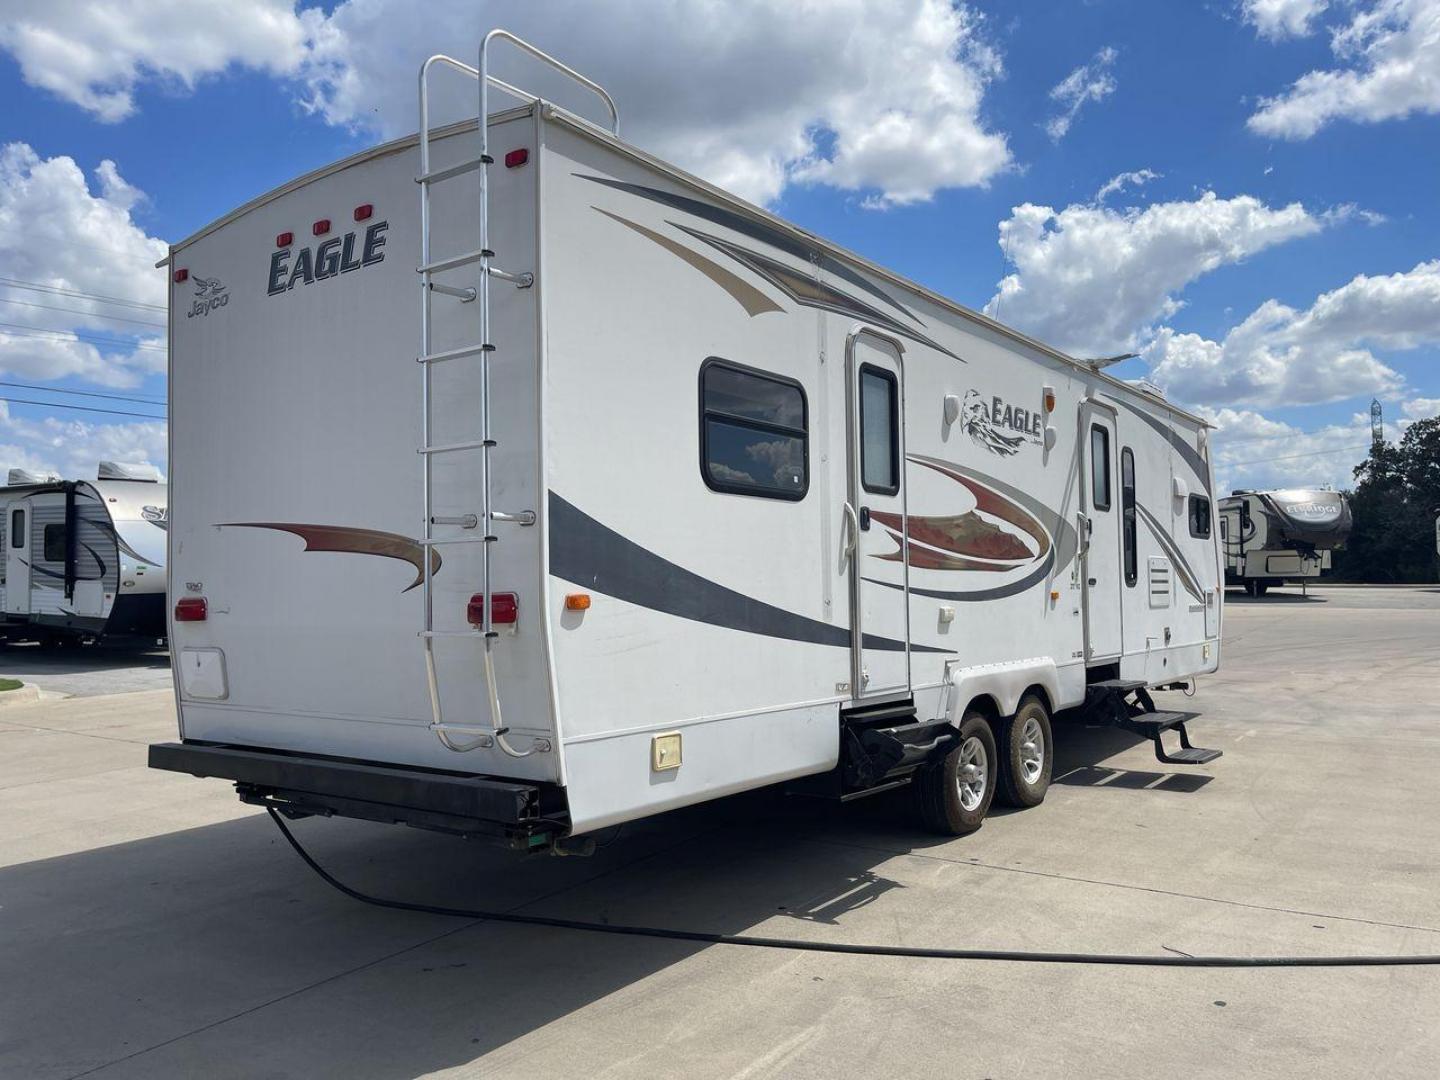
[152, 926]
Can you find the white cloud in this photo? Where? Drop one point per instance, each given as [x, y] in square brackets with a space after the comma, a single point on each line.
[1117, 184]
[1387, 66]
[1091, 279]
[1279, 355]
[1420, 408]
[1251, 450]
[95, 55]
[864, 95]
[1277, 19]
[56, 234]
[1088, 82]
[72, 448]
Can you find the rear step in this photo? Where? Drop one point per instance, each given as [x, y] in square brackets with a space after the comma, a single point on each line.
[1153, 724]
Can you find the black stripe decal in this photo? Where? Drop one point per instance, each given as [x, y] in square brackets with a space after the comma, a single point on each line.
[593, 556]
[756, 231]
[1168, 545]
[1185, 450]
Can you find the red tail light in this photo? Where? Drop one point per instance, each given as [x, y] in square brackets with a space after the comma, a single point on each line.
[191, 609]
[363, 211]
[504, 610]
[321, 227]
[515, 158]
[181, 274]
[284, 239]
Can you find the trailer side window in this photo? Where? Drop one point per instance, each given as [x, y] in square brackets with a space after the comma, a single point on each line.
[1099, 467]
[17, 528]
[54, 543]
[753, 432]
[1127, 511]
[1200, 517]
[879, 431]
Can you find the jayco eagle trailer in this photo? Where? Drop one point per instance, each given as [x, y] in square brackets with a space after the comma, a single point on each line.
[1271, 537]
[83, 559]
[679, 500]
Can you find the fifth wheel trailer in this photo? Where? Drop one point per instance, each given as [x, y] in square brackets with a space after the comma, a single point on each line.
[83, 559]
[679, 500]
[1270, 537]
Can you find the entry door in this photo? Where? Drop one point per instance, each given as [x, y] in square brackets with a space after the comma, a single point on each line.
[875, 518]
[1102, 566]
[17, 560]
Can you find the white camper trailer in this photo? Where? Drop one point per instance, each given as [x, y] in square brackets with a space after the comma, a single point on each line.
[1271, 537]
[678, 501]
[83, 559]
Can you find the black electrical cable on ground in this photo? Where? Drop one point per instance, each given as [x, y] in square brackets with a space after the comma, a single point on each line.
[1013, 955]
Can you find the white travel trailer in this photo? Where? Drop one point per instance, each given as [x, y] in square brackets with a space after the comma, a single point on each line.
[701, 503]
[84, 559]
[1271, 537]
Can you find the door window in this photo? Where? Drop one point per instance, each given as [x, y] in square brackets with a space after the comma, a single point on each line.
[1127, 513]
[879, 431]
[17, 528]
[1099, 467]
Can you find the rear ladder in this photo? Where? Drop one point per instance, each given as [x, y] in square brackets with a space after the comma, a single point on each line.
[487, 516]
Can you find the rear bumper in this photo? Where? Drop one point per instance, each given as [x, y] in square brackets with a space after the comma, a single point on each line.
[518, 814]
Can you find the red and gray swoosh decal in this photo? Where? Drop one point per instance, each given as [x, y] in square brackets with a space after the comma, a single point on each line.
[593, 556]
[1055, 538]
[345, 538]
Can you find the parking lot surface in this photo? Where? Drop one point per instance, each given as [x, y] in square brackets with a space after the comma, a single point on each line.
[152, 926]
[86, 670]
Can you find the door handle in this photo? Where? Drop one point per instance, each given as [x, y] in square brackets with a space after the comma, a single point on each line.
[1083, 527]
[864, 519]
[852, 533]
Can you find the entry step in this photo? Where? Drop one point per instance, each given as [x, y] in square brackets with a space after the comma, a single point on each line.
[1119, 686]
[1155, 724]
[1152, 723]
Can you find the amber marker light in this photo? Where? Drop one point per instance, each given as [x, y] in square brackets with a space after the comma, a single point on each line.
[577, 601]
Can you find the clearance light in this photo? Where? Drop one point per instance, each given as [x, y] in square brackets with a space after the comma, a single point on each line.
[191, 609]
[504, 609]
[1049, 399]
[284, 239]
[321, 227]
[363, 211]
[182, 274]
[577, 601]
[515, 158]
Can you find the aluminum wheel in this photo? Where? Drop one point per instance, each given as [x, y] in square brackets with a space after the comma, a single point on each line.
[1032, 750]
[972, 773]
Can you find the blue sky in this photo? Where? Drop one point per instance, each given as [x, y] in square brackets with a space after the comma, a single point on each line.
[1272, 254]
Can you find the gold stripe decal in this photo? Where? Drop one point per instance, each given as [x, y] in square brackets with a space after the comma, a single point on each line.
[746, 295]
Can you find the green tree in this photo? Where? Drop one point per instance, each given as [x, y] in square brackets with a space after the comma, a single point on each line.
[1396, 497]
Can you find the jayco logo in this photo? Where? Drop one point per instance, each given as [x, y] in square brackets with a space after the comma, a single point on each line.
[983, 421]
[333, 257]
[210, 294]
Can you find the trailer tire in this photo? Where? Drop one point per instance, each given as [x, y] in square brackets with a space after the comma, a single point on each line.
[1260, 587]
[954, 795]
[1026, 755]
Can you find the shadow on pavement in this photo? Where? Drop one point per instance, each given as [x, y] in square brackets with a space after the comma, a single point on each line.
[221, 934]
[1245, 599]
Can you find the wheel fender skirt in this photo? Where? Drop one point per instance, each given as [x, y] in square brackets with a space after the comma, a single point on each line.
[1003, 683]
